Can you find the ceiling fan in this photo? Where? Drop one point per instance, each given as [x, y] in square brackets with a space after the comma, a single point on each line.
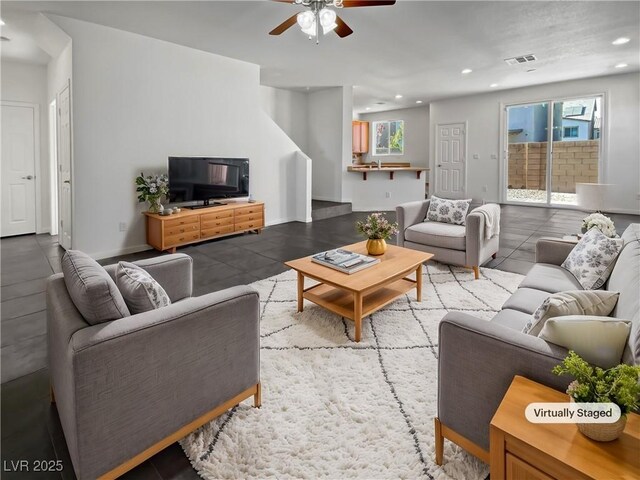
[319, 17]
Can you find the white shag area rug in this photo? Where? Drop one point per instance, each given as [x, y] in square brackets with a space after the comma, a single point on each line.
[336, 409]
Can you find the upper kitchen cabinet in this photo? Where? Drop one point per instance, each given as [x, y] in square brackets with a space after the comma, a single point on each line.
[360, 136]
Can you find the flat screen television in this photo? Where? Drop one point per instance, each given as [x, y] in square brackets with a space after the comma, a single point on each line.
[202, 179]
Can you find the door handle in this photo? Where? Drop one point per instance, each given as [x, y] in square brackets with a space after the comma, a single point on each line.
[67, 181]
[28, 177]
[439, 164]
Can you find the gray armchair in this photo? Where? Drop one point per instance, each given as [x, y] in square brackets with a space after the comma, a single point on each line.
[463, 245]
[128, 388]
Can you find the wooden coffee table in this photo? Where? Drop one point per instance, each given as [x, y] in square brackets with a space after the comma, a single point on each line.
[360, 294]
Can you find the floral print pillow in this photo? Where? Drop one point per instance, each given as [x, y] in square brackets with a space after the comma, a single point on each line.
[593, 258]
[140, 290]
[447, 211]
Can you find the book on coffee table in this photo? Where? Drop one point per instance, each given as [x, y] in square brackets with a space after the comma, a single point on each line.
[344, 261]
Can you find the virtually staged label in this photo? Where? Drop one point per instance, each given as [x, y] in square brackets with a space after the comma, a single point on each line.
[572, 412]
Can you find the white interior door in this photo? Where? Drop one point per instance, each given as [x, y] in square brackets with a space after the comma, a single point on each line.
[450, 161]
[18, 169]
[64, 159]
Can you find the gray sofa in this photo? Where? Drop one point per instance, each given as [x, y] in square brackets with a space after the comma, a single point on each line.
[463, 245]
[478, 359]
[128, 388]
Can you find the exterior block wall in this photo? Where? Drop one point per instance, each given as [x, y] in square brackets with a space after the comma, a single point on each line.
[573, 162]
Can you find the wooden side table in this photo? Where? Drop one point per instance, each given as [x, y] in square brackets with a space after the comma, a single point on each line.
[537, 451]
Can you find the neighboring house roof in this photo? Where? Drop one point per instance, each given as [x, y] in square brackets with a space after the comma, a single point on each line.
[582, 109]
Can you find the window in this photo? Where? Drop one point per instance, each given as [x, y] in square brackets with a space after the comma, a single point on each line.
[388, 137]
[570, 132]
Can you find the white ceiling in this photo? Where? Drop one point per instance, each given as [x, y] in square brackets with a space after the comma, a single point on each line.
[21, 46]
[415, 48]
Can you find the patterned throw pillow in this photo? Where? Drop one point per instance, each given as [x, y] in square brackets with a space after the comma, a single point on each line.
[573, 302]
[140, 291]
[447, 211]
[593, 258]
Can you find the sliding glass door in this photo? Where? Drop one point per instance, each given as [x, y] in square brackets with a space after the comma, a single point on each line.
[527, 153]
[548, 168]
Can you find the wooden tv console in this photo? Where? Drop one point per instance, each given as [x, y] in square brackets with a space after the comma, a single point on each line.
[166, 232]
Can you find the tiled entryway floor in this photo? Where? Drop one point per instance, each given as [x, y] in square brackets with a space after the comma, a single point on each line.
[30, 425]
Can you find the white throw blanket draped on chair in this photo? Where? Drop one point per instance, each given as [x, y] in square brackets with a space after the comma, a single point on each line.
[491, 213]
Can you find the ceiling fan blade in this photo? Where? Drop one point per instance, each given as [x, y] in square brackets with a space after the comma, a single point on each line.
[343, 30]
[287, 24]
[366, 3]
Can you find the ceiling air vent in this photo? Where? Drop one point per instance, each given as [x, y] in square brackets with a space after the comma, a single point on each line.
[522, 59]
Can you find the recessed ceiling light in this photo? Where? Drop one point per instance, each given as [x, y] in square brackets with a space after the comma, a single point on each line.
[620, 41]
[368, 108]
[398, 97]
[493, 85]
[621, 65]
[418, 101]
[466, 71]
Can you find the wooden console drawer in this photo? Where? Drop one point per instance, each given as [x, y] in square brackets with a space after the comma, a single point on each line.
[247, 210]
[181, 238]
[249, 217]
[215, 231]
[186, 220]
[215, 223]
[188, 228]
[166, 233]
[207, 217]
[250, 225]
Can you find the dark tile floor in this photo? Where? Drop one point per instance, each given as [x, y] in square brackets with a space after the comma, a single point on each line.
[30, 425]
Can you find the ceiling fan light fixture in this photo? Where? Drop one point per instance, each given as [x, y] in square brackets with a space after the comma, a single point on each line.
[327, 20]
[327, 17]
[306, 19]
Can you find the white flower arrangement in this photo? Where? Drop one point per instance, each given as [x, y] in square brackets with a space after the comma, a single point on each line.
[601, 222]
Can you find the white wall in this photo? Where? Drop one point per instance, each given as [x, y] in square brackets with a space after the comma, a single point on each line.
[416, 135]
[622, 148]
[59, 72]
[289, 110]
[138, 100]
[23, 82]
[325, 142]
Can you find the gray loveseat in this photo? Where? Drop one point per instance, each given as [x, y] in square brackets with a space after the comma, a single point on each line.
[463, 245]
[128, 388]
[478, 359]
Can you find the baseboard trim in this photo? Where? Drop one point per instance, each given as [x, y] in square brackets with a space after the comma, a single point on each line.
[327, 199]
[144, 247]
[122, 251]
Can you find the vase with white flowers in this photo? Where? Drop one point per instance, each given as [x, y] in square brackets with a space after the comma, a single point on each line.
[151, 189]
[601, 222]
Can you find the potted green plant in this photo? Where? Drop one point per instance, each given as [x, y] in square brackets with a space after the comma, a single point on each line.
[151, 189]
[377, 229]
[617, 385]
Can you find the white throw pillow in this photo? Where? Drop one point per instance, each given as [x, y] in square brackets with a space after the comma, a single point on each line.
[573, 302]
[599, 340]
[593, 258]
[447, 211]
[140, 291]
